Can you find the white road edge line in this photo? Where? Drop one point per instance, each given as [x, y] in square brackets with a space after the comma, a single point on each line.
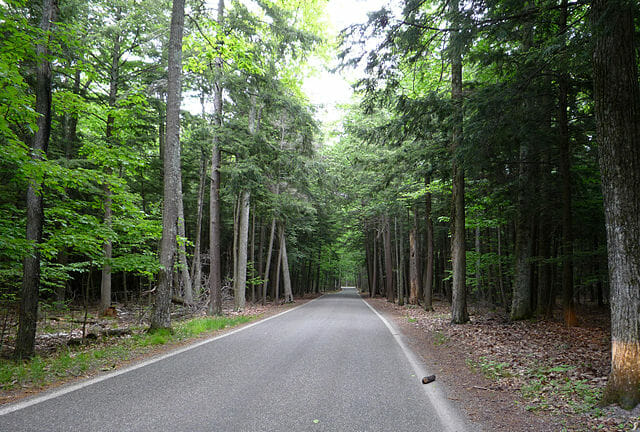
[449, 417]
[71, 388]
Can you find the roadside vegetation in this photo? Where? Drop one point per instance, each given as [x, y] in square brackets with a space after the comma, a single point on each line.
[107, 345]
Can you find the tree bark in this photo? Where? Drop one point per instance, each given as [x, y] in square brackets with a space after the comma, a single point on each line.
[25, 339]
[276, 286]
[388, 260]
[185, 277]
[522, 287]
[240, 284]
[215, 279]
[399, 262]
[286, 278]
[521, 300]
[428, 283]
[196, 269]
[268, 261]
[252, 255]
[414, 275]
[374, 279]
[568, 306]
[459, 312]
[107, 247]
[617, 109]
[161, 317]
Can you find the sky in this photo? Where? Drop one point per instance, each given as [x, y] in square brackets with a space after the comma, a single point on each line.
[327, 89]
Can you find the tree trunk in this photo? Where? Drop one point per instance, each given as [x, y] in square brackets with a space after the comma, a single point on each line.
[276, 286]
[236, 231]
[196, 269]
[25, 339]
[161, 317]
[617, 109]
[243, 235]
[268, 261]
[374, 279]
[107, 247]
[414, 276]
[521, 301]
[388, 259]
[428, 283]
[522, 288]
[479, 263]
[399, 262]
[252, 255]
[182, 250]
[568, 307]
[286, 279]
[459, 312]
[215, 279]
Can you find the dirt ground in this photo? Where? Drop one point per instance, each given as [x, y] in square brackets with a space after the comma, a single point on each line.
[487, 367]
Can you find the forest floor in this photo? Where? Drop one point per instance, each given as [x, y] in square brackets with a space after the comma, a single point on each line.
[517, 376]
[109, 343]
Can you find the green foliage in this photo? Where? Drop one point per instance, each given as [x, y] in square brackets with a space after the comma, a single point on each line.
[66, 363]
[547, 384]
[198, 326]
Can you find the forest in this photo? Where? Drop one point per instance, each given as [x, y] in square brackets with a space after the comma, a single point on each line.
[165, 154]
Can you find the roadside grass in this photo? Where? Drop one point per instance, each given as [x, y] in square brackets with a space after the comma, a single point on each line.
[491, 369]
[105, 355]
[547, 384]
[440, 338]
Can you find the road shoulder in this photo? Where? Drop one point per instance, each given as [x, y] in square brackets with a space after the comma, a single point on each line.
[493, 409]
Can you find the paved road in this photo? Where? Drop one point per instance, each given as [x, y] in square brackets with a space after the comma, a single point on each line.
[329, 365]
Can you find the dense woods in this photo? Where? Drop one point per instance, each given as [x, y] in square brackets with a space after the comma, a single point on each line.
[166, 149]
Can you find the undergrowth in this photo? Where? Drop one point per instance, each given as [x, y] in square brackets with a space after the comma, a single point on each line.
[69, 362]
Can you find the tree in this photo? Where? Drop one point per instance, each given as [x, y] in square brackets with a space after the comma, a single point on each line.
[459, 313]
[161, 317]
[25, 340]
[617, 110]
[215, 278]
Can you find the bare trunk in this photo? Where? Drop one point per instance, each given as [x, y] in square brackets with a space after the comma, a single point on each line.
[428, 283]
[161, 317]
[399, 263]
[107, 247]
[236, 230]
[522, 289]
[388, 260]
[414, 276]
[276, 286]
[196, 269]
[182, 251]
[374, 282]
[286, 279]
[459, 312]
[478, 263]
[617, 109]
[568, 306]
[268, 262]
[243, 236]
[25, 339]
[252, 255]
[215, 279]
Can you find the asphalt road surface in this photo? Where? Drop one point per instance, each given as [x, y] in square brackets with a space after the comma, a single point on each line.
[330, 365]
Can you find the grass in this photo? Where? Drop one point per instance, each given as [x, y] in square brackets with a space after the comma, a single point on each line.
[543, 387]
[490, 368]
[440, 338]
[67, 363]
